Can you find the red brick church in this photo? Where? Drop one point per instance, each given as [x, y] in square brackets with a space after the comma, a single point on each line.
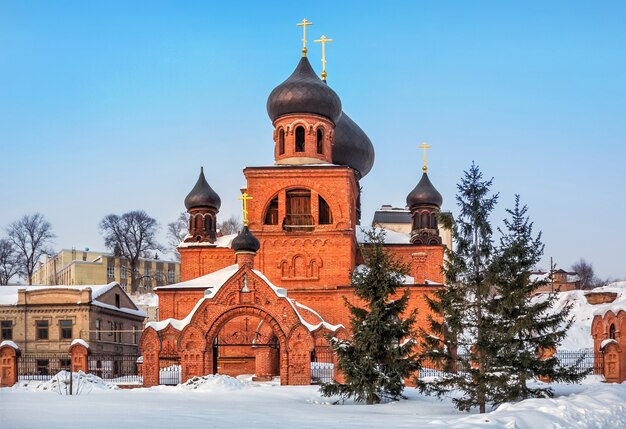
[262, 302]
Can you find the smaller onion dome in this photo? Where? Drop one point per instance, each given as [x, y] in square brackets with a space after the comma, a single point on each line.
[245, 242]
[304, 92]
[352, 147]
[424, 193]
[202, 195]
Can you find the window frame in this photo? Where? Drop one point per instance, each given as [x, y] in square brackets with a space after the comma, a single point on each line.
[4, 328]
[63, 330]
[40, 329]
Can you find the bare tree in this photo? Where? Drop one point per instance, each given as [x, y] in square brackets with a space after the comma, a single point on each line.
[176, 232]
[31, 236]
[230, 226]
[9, 261]
[586, 274]
[132, 235]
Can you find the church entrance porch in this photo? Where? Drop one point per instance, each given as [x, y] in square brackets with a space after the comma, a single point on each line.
[242, 325]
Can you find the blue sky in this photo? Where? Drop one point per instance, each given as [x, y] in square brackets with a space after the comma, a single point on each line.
[107, 107]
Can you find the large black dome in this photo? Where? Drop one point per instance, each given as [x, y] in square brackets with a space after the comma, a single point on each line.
[424, 193]
[304, 92]
[202, 195]
[352, 147]
[245, 242]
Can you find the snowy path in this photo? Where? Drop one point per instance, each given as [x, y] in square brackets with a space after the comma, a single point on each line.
[228, 405]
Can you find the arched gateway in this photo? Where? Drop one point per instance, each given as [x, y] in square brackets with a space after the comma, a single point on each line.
[280, 338]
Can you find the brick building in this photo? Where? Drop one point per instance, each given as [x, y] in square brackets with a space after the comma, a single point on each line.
[262, 301]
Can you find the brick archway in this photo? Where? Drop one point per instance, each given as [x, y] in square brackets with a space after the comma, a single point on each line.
[245, 293]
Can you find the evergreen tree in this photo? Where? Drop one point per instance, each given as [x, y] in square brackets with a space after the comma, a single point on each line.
[379, 356]
[525, 326]
[460, 335]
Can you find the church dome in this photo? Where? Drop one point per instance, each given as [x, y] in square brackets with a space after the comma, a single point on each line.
[352, 147]
[202, 195]
[245, 242]
[424, 194]
[304, 92]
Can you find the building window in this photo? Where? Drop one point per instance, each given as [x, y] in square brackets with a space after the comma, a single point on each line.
[66, 329]
[320, 141]
[159, 274]
[298, 210]
[135, 332]
[170, 275]
[6, 330]
[281, 142]
[42, 329]
[325, 216]
[117, 300]
[612, 331]
[110, 270]
[299, 139]
[98, 329]
[118, 332]
[271, 215]
[122, 271]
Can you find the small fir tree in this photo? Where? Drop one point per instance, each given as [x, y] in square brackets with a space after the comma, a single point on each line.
[525, 326]
[459, 335]
[379, 356]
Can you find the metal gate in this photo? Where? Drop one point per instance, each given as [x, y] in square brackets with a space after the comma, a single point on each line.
[115, 368]
[170, 372]
[322, 366]
[42, 366]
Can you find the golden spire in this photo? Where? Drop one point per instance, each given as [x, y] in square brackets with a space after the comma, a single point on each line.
[245, 198]
[424, 146]
[304, 24]
[323, 40]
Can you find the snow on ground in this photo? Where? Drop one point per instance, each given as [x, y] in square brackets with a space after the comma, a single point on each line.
[579, 336]
[82, 384]
[224, 402]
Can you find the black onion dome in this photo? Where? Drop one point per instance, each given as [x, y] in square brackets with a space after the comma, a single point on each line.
[424, 193]
[304, 92]
[202, 195]
[352, 147]
[245, 241]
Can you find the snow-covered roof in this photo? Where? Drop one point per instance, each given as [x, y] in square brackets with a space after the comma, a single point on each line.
[408, 280]
[10, 344]
[212, 280]
[391, 237]
[213, 283]
[81, 342]
[9, 295]
[223, 241]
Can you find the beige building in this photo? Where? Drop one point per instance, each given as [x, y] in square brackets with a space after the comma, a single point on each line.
[398, 224]
[84, 267]
[46, 319]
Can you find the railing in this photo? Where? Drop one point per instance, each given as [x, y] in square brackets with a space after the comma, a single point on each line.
[170, 371]
[322, 366]
[42, 366]
[116, 368]
[583, 361]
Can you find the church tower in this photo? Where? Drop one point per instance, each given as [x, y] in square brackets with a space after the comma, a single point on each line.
[306, 206]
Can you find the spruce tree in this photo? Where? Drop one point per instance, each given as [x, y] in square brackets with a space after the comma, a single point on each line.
[459, 335]
[525, 326]
[380, 354]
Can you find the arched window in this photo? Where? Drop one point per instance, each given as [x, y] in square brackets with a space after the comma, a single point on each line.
[612, 331]
[299, 139]
[271, 215]
[325, 215]
[281, 142]
[320, 141]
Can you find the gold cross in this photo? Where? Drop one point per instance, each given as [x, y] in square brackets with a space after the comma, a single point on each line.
[424, 146]
[245, 198]
[323, 40]
[304, 24]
